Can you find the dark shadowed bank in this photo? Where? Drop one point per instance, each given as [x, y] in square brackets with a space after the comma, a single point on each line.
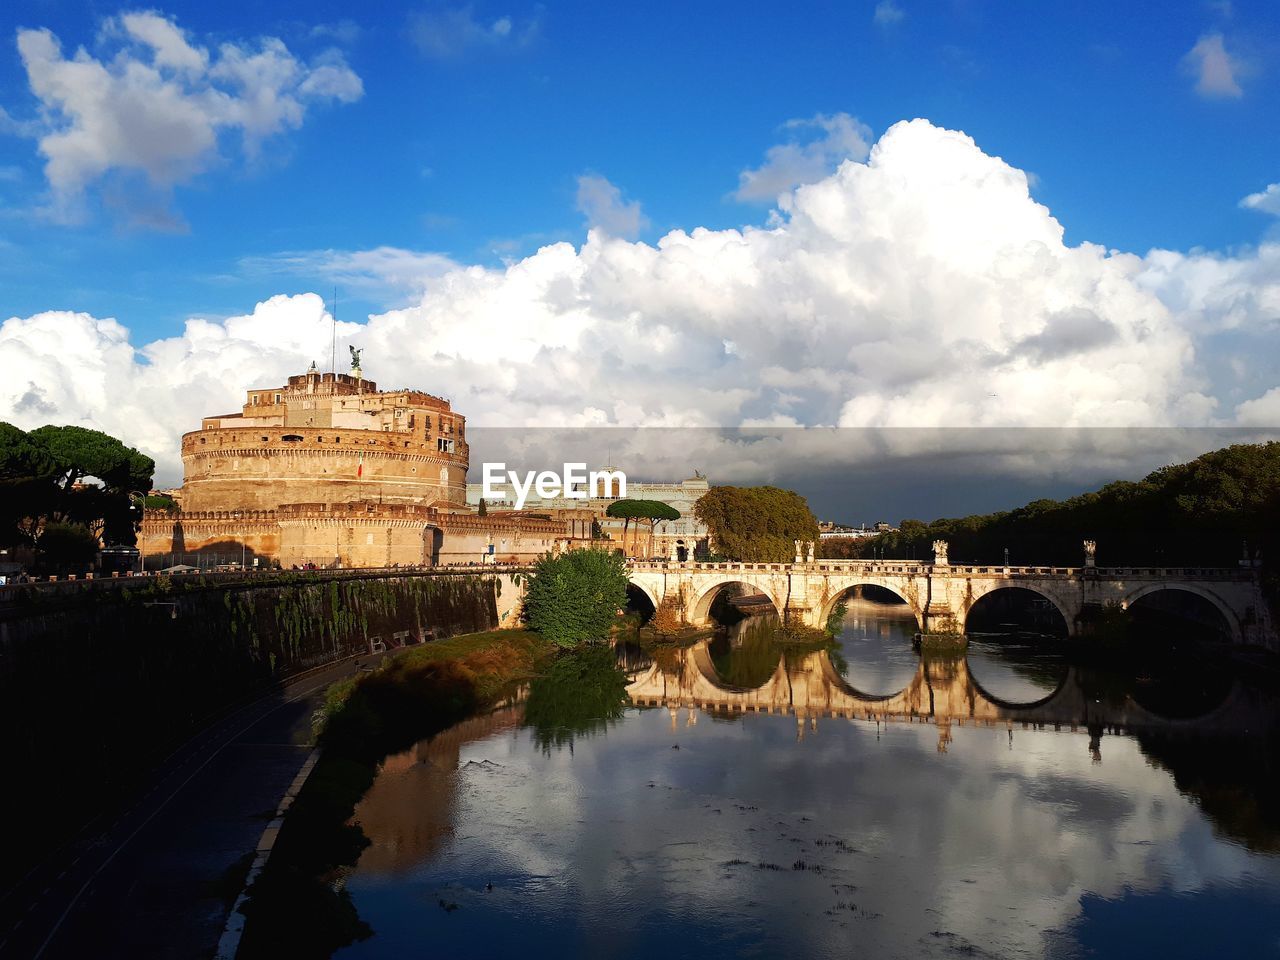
[116, 678]
[298, 900]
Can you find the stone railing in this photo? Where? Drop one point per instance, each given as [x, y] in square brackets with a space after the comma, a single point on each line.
[73, 585]
[953, 569]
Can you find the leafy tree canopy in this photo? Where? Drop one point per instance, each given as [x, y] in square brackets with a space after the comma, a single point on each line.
[756, 524]
[39, 474]
[642, 510]
[575, 597]
[1197, 513]
[80, 452]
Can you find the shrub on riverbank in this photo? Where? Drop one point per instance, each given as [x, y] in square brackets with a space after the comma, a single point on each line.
[575, 597]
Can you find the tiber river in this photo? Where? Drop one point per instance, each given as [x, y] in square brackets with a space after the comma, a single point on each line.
[544, 830]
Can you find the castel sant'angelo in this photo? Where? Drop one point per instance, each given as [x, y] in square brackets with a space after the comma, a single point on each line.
[328, 470]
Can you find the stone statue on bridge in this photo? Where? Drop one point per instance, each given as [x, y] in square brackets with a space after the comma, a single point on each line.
[799, 554]
[1090, 553]
[940, 553]
[809, 551]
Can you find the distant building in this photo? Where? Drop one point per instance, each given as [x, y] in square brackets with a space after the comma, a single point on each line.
[670, 537]
[828, 530]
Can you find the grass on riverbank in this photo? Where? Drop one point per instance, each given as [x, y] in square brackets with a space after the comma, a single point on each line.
[418, 692]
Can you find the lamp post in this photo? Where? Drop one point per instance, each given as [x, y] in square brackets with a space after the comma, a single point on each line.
[142, 509]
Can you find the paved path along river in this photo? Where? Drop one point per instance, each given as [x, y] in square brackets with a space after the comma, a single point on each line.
[159, 879]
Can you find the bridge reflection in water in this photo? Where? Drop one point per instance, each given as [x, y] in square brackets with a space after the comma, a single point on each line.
[808, 684]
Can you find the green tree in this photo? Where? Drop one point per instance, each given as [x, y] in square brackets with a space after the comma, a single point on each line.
[27, 472]
[47, 476]
[639, 510]
[575, 597]
[1202, 512]
[756, 524]
[481, 509]
[83, 454]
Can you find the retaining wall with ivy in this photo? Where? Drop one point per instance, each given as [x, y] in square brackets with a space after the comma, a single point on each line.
[94, 689]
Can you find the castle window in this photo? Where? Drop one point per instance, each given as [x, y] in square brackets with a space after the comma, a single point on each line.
[319, 439]
[291, 438]
[265, 438]
[277, 398]
[255, 399]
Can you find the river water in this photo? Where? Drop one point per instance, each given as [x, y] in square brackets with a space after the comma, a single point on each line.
[1008, 804]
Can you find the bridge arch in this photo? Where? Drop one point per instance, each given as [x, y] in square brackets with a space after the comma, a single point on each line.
[1068, 614]
[1228, 615]
[839, 589]
[644, 588]
[699, 608]
[1012, 706]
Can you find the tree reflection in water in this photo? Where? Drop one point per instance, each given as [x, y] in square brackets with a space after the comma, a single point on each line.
[579, 694]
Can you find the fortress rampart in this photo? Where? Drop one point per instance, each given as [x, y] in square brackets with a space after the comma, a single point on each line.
[355, 534]
[261, 468]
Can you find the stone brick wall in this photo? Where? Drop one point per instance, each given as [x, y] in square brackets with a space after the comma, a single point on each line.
[358, 534]
[256, 468]
[166, 538]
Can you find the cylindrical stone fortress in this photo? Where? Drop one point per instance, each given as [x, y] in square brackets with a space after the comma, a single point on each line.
[326, 438]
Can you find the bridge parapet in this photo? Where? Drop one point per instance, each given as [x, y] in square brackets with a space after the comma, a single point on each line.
[942, 596]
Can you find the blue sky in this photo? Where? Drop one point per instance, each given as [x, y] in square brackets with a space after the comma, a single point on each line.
[469, 137]
[864, 215]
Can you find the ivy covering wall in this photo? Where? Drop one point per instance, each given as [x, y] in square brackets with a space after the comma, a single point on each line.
[94, 690]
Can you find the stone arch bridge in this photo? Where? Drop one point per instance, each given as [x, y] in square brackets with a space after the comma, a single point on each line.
[941, 595]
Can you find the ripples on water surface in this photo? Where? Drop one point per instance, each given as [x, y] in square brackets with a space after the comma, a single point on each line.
[763, 836]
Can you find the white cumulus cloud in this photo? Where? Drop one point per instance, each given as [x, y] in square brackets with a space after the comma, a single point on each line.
[919, 287]
[1216, 71]
[159, 106]
[814, 148]
[1266, 201]
[604, 208]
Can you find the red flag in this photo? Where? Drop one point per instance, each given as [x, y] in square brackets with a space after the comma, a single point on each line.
[360, 466]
